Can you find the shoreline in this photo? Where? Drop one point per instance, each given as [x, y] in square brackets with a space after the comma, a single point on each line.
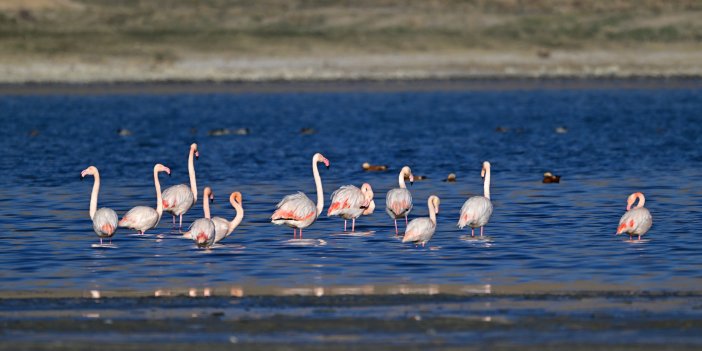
[348, 85]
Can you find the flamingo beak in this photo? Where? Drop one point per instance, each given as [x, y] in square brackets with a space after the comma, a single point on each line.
[212, 200]
[197, 155]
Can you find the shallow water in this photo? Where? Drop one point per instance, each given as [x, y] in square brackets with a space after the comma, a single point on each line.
[542, 237]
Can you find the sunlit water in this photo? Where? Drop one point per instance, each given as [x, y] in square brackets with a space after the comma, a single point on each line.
[545, 237]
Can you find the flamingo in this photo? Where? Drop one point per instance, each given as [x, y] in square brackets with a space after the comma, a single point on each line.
[420, 230]
[224, 227]
[398, 202]
[297, 210]
[637, 220]
[202, 230]
[476, 211]
[178, 199]
[104, 219]
[350, 202]
[142, 218]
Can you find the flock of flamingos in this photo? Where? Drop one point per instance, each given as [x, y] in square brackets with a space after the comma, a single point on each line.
[299, 212]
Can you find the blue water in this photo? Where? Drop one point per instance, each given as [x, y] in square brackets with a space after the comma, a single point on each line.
[540, 237]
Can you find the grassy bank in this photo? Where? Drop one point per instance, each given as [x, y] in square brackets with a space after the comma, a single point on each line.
[88, 40]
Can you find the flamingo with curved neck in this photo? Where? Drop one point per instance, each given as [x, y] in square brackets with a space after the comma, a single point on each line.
[637, 220]
[223, 227]
[297, 210]
[202, 231]
[178, 199]
[104, 219]
[142, 218]
[398, 201]
[476, 211]
[421, 230]
[350, 202]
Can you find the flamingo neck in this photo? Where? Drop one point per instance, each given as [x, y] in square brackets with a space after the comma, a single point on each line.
[432, 210]
[401, 180]
[318, 183]
[159, 201]
[206, 207]
[486, 185]
[237, 219]
[642, 200]
[191, 173]
[94, 195]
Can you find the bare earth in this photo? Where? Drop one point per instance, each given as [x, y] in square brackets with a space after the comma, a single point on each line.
[81, 41]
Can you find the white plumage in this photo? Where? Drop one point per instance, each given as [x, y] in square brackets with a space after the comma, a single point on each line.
[142, 218]
[420, 230]
[104, 219]
[476, 211]
[202, 231]
[350, 202]
[223, 227]
[637, 220]
[398, 201]
[178, 199]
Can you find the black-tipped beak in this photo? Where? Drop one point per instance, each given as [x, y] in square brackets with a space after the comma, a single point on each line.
[197, 157]
[212, 200]
[81, 177]
[169, 174]
[411, 183]
[327, 166]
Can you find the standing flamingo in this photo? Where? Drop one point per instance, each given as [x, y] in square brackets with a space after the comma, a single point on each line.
[637, 220]
[202, 230]
[297, 210]
[178, 199]
[350, 202]
[398, 202]
[476, 211]
[104, 219]
[420, 230]
[143, 218]
[224, 227]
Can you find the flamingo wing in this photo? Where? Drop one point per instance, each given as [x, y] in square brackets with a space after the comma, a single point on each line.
[202, 227]
[140, 218]
[419, 230]
[635, 221]
[295, 207]
[475, 212]
[398, 202]
[221, 227]
[177, 199]
[105, 222]
[346, 200]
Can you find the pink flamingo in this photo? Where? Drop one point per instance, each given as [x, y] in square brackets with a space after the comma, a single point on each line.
[420, 230]
[224, 227]
[350, 202]
[297, 210]
[143, 218]
[476, 211]
[202, 230]
[398, 202]
[637, 220]
[178, 199]
[104, 219]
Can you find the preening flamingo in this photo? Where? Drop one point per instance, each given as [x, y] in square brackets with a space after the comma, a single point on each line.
[202, 231]
[224, 227]
[350, 202]
[143, 218]
[476, 211]
[398, 202]
[104, 219]
[637, 220]
[178, 199]
[420, 230]
[297, 210]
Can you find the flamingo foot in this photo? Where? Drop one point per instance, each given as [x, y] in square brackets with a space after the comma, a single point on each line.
[397, 233]
[481, 232]
[180, 224]
[405, 221]
[344, 225]
[100, 241]
[353, 225]
[300, 233]
[472, 232]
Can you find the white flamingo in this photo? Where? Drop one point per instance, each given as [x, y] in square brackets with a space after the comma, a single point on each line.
[420, 230]
[202, 230]
[476, 211]
[104, 219]
[350, 202]
[224, 227]
[178, 199]
[143, 218]
[637, 220]
[398, 202]
[297, 210]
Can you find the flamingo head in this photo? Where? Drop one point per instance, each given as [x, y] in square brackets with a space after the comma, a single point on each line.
[161, 168]
[407, 173]
[435, 202]
[632, 198]
[486, 168]
[208, 194]
[201, 239]
[367, 191]
[235, 197]
[88, 171]
[193, 149]
[320, 158]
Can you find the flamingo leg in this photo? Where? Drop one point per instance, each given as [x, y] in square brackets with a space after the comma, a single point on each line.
[481, 232]
[101, 241]
[180, 225]
[639, 237]
[294, 233]
[344, 225]
[300, 233]
[472, 232]
[405, 220]
[396, 232]
[174, 227]
[353, 224]
[110, 240]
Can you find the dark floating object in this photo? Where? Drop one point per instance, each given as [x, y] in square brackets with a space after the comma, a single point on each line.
[501, 129]
[242, 131]
[561, 130]
[307, 131]
[33, 133]
[451, 178]
[219, 132]
[550, 178]
[124, 132]
[369, 167]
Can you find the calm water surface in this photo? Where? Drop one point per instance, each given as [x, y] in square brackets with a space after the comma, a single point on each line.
[546, 237]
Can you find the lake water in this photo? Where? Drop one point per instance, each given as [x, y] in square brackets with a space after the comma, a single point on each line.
[541, 237]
